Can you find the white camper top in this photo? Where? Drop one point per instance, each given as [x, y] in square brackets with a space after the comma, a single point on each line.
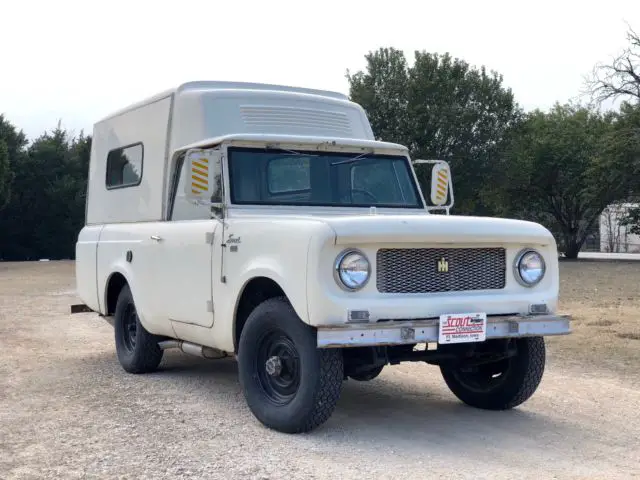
[205, 109]
[194, 111]
[214, 109]
[211, 85]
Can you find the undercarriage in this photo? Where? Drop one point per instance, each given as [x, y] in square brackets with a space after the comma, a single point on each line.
[365, 363]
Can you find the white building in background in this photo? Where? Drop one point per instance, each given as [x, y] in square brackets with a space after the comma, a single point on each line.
[613, 236]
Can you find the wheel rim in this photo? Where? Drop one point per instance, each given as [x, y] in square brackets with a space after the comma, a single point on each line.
[484, 378]
[278, 367]
[130, 327]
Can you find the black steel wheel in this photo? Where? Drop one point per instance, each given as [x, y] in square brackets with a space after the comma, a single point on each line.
[130, 327]
[137, 349]
[289, 384]
[503, 384]
[278, 366]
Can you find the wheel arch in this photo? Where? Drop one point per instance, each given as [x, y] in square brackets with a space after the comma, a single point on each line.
[114, 283]
[113, 286]
[253, 292]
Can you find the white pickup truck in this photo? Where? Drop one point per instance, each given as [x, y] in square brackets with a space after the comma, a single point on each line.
[266, 222]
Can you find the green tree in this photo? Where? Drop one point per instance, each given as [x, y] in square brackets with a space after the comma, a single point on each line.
[383, 92]
[627, 144]
[6, 175]
[632, 221]
[46, 209]
[12, 144]
[562, 169]
[441, 108]
[620, 80]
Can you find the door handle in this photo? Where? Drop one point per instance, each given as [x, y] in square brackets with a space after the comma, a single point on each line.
[156, 238]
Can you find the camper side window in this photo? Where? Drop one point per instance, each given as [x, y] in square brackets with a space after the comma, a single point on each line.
[124, 166]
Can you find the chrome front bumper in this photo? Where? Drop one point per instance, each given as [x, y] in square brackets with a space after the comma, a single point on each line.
[426, 331]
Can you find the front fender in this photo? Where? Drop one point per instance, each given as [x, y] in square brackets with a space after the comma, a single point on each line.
[277, 249]
[293, 284]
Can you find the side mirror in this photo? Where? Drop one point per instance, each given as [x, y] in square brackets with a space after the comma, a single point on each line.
[204, 176]
[440, 175]
[441, 185]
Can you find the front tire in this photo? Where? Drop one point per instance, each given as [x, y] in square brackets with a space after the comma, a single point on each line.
[500, 385]
[289, 384]
[137, 349]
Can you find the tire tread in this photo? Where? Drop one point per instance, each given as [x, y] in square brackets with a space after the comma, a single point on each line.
[326, 389]
[528, 377]
[148, 354]
[533, 374]
[328, 394]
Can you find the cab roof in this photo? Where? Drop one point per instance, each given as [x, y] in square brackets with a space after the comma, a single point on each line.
[300, 141]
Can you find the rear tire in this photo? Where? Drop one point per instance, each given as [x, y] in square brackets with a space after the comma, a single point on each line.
[289, 384]
[136, 348]
[500, 385]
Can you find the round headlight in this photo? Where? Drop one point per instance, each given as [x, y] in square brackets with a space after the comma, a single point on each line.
[530, 268]
[352, 270]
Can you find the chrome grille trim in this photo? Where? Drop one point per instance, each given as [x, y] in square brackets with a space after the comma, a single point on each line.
[415, 270]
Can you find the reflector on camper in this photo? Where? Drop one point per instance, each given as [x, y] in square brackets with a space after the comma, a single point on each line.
[439, 183]
[199, 163]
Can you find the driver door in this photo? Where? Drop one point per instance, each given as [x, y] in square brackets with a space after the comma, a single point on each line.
[183, 259]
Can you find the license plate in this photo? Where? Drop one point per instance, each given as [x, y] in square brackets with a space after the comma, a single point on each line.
[462, 327]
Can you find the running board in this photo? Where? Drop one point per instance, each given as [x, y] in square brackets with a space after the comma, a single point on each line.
[193, 349]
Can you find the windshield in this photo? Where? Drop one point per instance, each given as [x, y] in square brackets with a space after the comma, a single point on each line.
[283, 177]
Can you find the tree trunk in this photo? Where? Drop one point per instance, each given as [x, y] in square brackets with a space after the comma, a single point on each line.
[572, 252]
[572, 246]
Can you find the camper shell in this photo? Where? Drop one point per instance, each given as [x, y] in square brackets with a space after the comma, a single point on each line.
[153, 128]
[266, 223]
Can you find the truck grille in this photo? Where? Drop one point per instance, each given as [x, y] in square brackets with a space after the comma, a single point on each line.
[426, 270]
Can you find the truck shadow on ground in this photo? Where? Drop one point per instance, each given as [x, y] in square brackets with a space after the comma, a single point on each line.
[403, 408]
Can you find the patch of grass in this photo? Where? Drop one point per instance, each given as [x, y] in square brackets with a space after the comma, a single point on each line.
[603, 299]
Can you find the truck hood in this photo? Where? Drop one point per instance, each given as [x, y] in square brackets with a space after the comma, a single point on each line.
[443, 229]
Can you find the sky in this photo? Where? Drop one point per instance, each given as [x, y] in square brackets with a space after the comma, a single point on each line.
[77, 61]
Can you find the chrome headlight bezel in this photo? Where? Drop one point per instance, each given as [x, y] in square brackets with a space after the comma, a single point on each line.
[337, 269]
[517, 264]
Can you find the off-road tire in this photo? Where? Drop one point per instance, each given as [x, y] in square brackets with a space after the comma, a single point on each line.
[523, 375]
[311, 384]
[139, 352]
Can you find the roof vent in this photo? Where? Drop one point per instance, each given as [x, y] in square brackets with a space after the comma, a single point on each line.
[295, 120]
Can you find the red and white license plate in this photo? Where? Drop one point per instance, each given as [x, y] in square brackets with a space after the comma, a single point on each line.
[462, 327]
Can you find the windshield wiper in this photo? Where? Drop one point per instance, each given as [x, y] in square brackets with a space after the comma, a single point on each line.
[291, 152]
[351, 160]
[339, 162]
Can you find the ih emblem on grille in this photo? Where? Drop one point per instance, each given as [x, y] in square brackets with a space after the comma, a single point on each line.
[443, 265]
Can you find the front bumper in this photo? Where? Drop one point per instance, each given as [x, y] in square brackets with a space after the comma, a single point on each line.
[426, 331]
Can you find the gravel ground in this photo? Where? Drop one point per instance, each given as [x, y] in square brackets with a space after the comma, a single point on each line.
[67, 409]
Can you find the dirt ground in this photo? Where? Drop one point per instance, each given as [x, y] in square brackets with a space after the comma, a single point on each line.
[67, 409]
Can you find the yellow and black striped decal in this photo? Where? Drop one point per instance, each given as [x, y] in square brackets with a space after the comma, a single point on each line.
[439, 183]
[199, 175]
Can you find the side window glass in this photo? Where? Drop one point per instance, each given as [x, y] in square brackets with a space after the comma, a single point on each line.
[182, 209]
[289, 174]
[124, 166]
